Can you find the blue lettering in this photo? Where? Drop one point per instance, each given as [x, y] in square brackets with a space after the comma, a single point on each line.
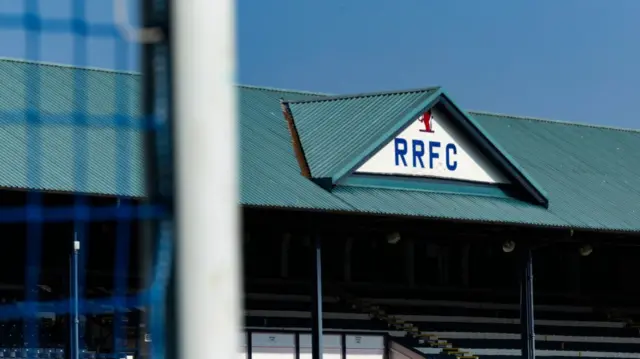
[401, 148]
[432, 154]
[451, 151]
[401, 151]
[418, 152]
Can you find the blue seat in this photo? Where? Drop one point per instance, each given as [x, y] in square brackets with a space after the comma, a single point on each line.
[85, 354]
[58, 354]
[45, 353]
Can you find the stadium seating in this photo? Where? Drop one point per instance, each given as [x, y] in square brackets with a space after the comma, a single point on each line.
[45, 353]
[13, 343]
[483, 329]
[54, 353]
[51, 334]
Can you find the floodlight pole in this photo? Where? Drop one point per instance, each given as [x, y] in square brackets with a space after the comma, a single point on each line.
[316, 298]
[76, 320]
[527, 333]
[70, 355]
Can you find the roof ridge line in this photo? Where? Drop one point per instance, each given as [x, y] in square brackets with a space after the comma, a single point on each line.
[55, 64]
[275, 89]
[539, 119]
[366, 94]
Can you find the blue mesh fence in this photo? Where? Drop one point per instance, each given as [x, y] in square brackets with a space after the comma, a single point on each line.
[85, 182]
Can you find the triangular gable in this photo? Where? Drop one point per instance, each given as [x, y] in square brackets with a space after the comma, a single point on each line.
[368, 140]
[333, 131]
[433, 147]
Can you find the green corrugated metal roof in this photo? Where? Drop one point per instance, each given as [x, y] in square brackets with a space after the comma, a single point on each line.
[590, 173]
[329, 141]
[446, 206]
[112, 153]
[337, 134]
[109, 168]
[269, 173]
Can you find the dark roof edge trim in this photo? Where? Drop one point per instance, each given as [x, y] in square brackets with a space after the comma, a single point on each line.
[360, 95]
[295, 140]
[505, 161]
[551, 121]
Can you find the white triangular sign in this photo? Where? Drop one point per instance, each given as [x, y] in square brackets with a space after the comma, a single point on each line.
[432, 147]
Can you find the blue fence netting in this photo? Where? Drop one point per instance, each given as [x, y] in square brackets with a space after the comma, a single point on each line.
[85, 188]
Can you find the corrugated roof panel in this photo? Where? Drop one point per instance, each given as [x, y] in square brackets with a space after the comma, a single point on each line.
[106, 93]
[107, 171]
[335, 130]
[445, 206]
[590, 173]
[269, 173]
[106, 142]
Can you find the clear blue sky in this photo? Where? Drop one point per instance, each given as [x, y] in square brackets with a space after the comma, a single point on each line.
[573, 60]
[59, 47]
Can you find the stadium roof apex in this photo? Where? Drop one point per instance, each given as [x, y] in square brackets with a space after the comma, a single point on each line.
[414, 139]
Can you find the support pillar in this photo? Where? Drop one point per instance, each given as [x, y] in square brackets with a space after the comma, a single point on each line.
[527, 333]
[284, 255]
[574, 281]
[347, 259]
[316, 299]
[443, 264]
[464, 264]
[409, 262]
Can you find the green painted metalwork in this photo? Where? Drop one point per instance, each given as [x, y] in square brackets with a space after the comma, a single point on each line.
[107, 122]
[590, 173]
[336, 131]
[419, 184]
[338, 134]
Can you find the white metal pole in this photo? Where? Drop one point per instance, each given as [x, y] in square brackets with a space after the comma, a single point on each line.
[208, 261]
[76, 319]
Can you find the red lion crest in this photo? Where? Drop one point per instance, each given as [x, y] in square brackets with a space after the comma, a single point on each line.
[427, 119]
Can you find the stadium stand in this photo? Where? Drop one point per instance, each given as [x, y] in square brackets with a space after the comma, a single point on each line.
[434, 307]
[438, 326]
[54, 353]
[52, 334]
[584, 306]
